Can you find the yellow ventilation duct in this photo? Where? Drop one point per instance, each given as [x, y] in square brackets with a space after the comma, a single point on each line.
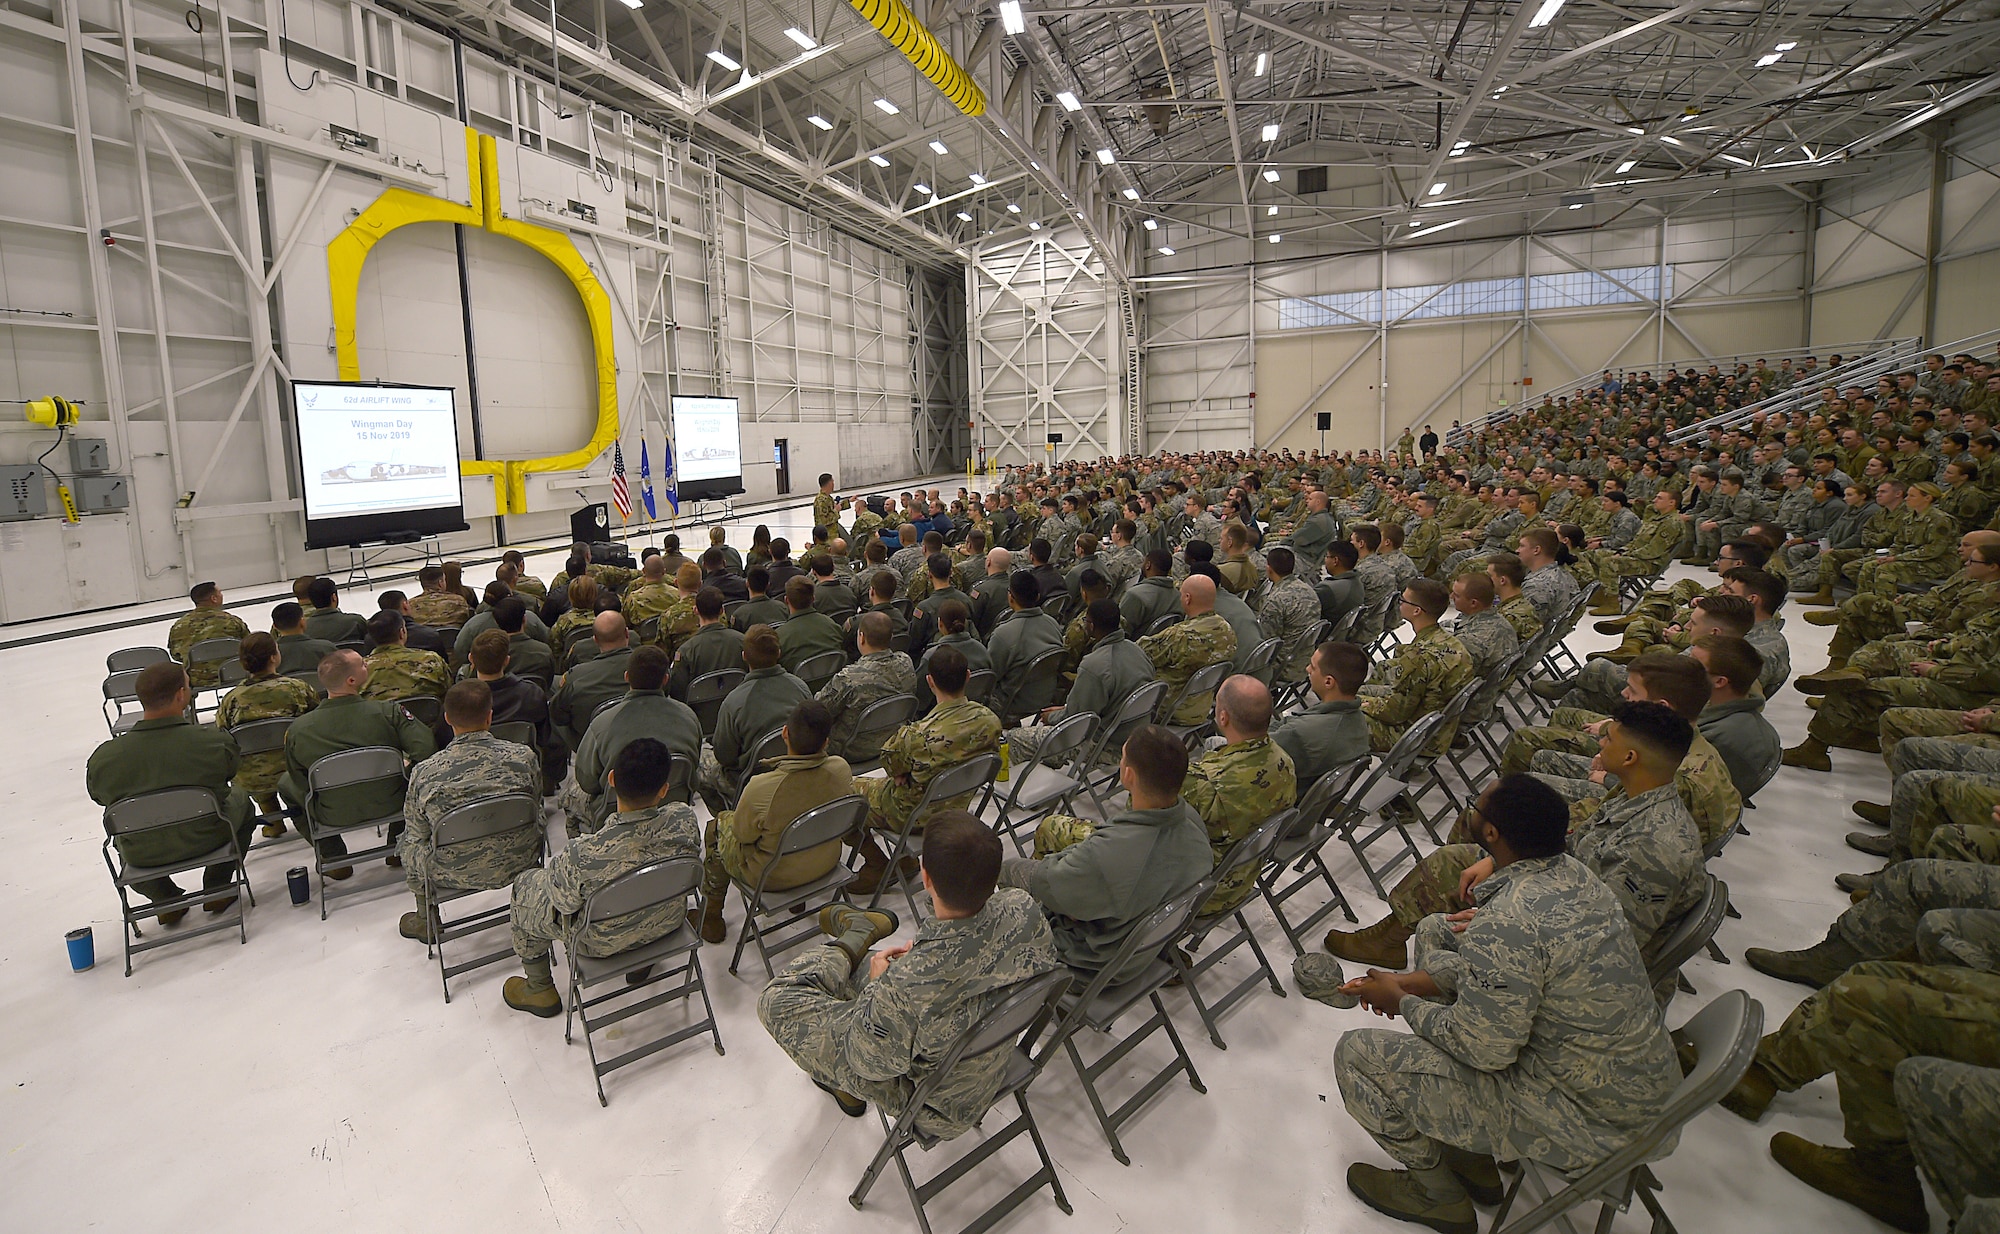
[909, 36]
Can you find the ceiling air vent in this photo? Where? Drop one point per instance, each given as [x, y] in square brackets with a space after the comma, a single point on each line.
[1312, 180]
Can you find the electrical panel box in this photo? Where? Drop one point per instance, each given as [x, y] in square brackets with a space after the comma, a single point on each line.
[89, 456]
[101, 494]
[22, 494]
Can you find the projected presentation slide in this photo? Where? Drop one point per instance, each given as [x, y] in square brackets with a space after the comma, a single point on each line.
[708, 450]
[377, 461]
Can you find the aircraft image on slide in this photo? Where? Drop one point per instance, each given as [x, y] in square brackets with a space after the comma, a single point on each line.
[365, 473]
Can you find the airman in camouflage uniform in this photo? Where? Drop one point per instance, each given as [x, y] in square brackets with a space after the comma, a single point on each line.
[440, 608]
[205, 622]
[1119, 564]
[826, 511]
[1922, 551]
[677, 625]
[1235, 789]
[1967, 671]
[1952, 1112]
[1185, 648]
[1946, 725]
[1546, 1046]
[548, 901]
[475, 766]
[916, 752]
[869, 680]
[1520, 613]
[1429, 670]
[1551, 589]
[396, 672]
[1290, 612]
[268, 697]
[1702, 780]
[879, 1039]
[652, 597]
[1487, 637]
[1944, 609]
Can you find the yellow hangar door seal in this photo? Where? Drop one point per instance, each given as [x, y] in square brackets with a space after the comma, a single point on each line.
[349, 250]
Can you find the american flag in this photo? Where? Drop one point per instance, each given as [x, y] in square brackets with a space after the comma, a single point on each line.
[620, 496]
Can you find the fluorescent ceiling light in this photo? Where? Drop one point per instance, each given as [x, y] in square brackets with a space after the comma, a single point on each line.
[923, 188]
[939, 147]
[963, 217]
[1263, 64]
[878, 160]
[1672, 141]
[1270, 132]
[1768, 59]
[1786, 46]
[978, 181]
[1271, 211]
[1275, 237]
[821, 123]
[1271, 174]
[1106, 157]
[1546, 14]
[1626, 166]
[1437, 188]
[1152, 224]
[1690, 115]
[1165, 251]
[1131, 194]
[1010, 17]
[1740, 162]
[1502, 90]
[721, 58]
[1576, 206]
[804, 40]
[1068, 100]
[1013, 208]
[1440, 227]
[1461, 147]
[635, 4]
[887, 108]
[1033, 225]
[1635, 130]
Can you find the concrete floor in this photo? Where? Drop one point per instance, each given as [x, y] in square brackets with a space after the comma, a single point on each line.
[315, 1080]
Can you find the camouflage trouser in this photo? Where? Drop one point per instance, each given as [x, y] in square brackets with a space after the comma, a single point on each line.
[1801, 566]
[1871, 1018]
[1599, 688]
[1564, 732]
[1901, 724]
[890, 803]
[1886, 578]
[1433, 886]
[1884, 925]
[1889, 657]
[1058, 831]
[1851, 713]
[1834, 563]
[1942, 752]
[804, 1009]
[1866, 617]
[1958, 842]
[1468, 561]
[585, 813]
[1618, 566]
[1381, 737]
[1926, 799]
[1951, 1112]
[1414, 1098]
[492, 865]
[722, 857]
[258, 775]
[719, 789]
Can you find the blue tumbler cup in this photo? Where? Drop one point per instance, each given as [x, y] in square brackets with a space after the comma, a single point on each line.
[82, 949]
[297, 882]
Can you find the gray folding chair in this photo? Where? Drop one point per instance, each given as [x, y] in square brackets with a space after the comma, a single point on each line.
[963, 780]
[979, 685]
[1479, 714]
[647, 631]
[214, 653]
[677, 956]
[1426, 770]
[770, 746]
[1034, 787]
[135, 657]
[1014, 1025]
[230, 673]
[343, 770]
[1044, 670]
[1694, 931]
[311, 677]
[706, 692]
[265, 737]
[1250, 852]
[823, 824]
[1161, 622]
[877, 720]
[119, 691]
[520, 732]
[468, 825]
[1362, 821]
[817, 670]
[1262, 657]
[1724, 1034]
[133, 817]
[1202, 681]
[425, 709]
[1099, 779]
[1099, 1003]
[1299, 848]
[681, 772]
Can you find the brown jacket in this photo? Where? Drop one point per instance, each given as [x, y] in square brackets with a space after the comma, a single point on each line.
[772, 800]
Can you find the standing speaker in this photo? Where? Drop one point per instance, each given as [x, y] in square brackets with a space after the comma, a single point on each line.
[1325, 419]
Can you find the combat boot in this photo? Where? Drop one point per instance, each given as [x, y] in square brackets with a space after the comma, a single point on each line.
[874, 864]
[1752, 1095]
[1855, 884]
[1810, 754]
[855, 930]
[1871, 812]
[1881, 1182]
[713, 928]
[1432, 1197]
[1617, 624]
[1823, 619]
[850, 1105]
[425, 928]
[1478, 1173]
[1552, 689]
[1607, 607]
[1822, 681]
[1816, 966]
[1384, 944]
[1823, 597]
[1872, 844]
[521, 996]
